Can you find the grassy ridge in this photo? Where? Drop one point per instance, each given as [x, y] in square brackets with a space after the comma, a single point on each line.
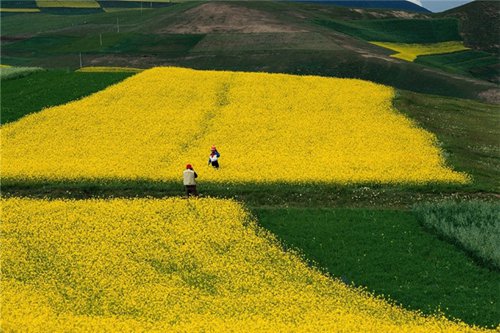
[398, 30]
[7, 73]
[474, 226]
[392, 255]
[479, 24]
[55, 41]
[44, 89]
[477, 64]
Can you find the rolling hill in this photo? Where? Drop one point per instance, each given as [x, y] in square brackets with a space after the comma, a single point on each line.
[283, 37]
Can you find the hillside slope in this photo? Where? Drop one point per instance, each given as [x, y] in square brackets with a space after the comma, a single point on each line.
[247, 36]
[480, 24]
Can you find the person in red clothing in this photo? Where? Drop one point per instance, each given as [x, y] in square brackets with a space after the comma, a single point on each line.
[213, 159]
[189, 181]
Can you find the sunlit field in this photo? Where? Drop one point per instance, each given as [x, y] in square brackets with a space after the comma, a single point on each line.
[172, 265]
[410, 52]
[268, 128]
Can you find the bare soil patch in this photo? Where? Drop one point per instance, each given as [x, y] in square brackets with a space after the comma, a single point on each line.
[491, 96]
[222, 17]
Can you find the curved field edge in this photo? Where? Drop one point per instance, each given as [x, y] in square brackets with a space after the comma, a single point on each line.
[23, 96]
[172, 264]
[316, 130]
[391, 254]
[410, 52]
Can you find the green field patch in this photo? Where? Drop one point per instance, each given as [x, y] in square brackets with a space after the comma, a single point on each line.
[109, 70]
[479, 64]
[467, 130]
[168, 45]
[398, 30]
[228, 42]
[18, 4]
[67, 4]
[45, 89]
[81, 22]
[16, 72]
[392, 255]
[473, 226]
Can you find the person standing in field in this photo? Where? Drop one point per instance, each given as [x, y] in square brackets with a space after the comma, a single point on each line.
[189, 181]
[213, 159]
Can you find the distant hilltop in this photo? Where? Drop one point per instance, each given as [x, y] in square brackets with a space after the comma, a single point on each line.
[374, 4]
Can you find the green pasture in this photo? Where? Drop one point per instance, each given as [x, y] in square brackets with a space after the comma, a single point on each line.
[479, 64]
[168, 45]
[16, 72]
[398, 30]
[467, 132]
[102, 22]
[390, 254]
[39, 90]
[137, 39]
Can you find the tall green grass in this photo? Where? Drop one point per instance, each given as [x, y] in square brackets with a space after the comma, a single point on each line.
[16, 72]
[474, 226]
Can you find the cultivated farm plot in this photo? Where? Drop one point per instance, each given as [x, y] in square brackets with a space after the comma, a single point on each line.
[172, 265]
[268, 127]
[410, 52]
[67, 4]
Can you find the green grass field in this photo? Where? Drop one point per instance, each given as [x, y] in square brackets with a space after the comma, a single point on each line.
[168, 45]
[7, 73]
[44, 89]
[392, 255]
[55, 41]
[398, 30]
[479, 64]
[468, 133]
[473, 226]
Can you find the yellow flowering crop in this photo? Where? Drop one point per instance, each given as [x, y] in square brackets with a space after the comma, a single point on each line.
[267, 127]
[410, 52]
[19, 10]
[104, 69]
[67, 4]
[171, 265]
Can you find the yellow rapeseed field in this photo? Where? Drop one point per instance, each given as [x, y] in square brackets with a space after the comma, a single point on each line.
[107, 69]
[19, 10]
[410, 52]
[67, 4]
[267, 127]
[171, 265]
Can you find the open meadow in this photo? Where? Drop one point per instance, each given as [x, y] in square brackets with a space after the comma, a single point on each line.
[359, 179]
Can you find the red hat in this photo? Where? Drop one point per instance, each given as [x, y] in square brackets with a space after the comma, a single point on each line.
[189, 166]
